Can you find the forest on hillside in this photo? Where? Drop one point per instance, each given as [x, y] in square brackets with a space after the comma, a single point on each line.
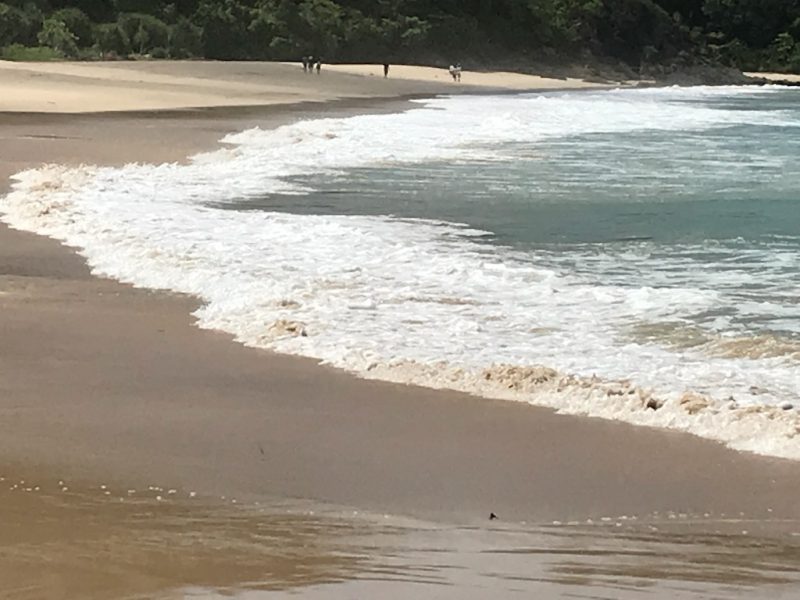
[747, 34]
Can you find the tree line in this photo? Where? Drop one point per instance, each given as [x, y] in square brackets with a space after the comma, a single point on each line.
[747, 34]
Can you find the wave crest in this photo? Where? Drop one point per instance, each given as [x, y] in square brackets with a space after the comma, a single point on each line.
[767, 430]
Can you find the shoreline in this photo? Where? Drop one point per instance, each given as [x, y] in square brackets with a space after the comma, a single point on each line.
[85, 87]
[151, 396]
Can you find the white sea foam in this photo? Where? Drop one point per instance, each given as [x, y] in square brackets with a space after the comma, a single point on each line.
[429, 302]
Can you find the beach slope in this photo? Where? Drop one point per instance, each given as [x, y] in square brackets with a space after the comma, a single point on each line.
[103, 381]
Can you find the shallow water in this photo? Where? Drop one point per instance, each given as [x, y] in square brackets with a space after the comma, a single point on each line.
[70, 540]
[643, 244]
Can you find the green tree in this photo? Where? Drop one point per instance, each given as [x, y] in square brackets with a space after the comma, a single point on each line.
[96, 10]
[110, 39]
[147, 7]
[225, 24]
[409, 33]
[745, 33]
[56, 35]
[755, 22]
[185, 39]
[78, 23]
[145, 32]
[784, 53]
[271, 35]
[19, 25]
[782, 48]
[322, 26]
[366, 37]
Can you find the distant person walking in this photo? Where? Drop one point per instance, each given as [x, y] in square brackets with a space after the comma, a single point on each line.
[385, 70]
[306, 63]
[318, 66]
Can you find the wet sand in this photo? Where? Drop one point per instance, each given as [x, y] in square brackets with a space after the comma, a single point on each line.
[66, 539]
[101, 382]
[61, 539]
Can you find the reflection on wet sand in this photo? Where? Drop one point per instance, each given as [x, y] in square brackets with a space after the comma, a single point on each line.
[672, 559]
[62, 541]
[66, 541]
[655, 561]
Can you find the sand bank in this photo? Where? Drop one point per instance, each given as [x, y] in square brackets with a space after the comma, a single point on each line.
[500, 80]
[776, 76]
[164, 85]
[102, 381]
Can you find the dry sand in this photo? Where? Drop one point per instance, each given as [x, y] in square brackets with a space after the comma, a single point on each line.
[99, 380]
[776, 76]
[125, 86]
[500, 80]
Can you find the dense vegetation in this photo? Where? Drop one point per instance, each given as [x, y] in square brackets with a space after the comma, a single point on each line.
[750, 34]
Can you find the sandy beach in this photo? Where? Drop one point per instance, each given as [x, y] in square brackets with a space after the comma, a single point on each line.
[166, 85]
[776, 76]
[102, 382]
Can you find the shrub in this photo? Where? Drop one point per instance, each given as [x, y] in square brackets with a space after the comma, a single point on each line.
[78, 23]
[27, 53]
[225, 29]
[19, 25]
[185, 39]
[783, 48]
[98, 11]
[110, 39]
[57, 36]
[144, 32]
[139, 6]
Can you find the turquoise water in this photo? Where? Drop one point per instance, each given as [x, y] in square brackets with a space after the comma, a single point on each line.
[659, 207]
[741, 181]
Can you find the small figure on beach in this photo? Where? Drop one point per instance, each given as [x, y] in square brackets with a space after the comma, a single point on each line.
[455, 72]
[385, 70]
[318, 65]
[306, 63]
[492, 516]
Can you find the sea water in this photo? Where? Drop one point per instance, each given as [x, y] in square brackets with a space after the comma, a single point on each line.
[630, 254]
